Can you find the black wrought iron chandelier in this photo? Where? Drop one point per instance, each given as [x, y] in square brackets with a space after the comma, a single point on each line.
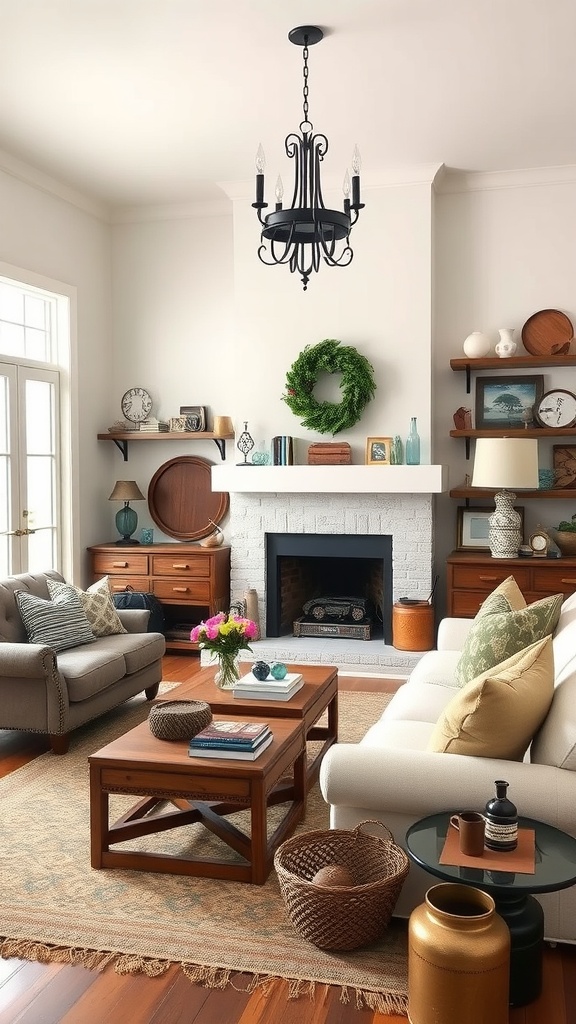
[306, 232]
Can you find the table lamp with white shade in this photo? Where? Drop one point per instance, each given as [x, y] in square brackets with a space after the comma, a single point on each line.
[510, 463]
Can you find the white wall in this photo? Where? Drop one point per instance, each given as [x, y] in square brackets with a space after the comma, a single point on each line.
[501, 254]
[47, 235]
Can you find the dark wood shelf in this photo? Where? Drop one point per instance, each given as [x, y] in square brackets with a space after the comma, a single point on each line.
[121, 439]
[495, 363]
[517, 432]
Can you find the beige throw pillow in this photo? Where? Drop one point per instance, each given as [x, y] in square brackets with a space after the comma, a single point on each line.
[497, 714]
[497, 635]
[511, 594]
[97, 604]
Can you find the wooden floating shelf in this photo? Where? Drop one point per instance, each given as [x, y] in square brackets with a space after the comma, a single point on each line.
[122, 438]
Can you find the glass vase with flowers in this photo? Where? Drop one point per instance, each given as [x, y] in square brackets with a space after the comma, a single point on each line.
[225, 635]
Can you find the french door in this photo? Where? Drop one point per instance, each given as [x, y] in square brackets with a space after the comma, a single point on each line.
[29, 468]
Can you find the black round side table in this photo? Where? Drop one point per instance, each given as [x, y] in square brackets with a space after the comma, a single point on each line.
[555, 868]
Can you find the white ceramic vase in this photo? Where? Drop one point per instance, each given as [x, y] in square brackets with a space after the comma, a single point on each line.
[506, 347]
[476, 345]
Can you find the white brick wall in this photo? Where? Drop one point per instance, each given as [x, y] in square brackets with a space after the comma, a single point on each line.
[407, 517]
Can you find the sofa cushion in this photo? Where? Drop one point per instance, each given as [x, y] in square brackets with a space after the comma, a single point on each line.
[497, 714]
[435, 667]
[59, 624]
[496, 636]
[90, 670]
[97, 604]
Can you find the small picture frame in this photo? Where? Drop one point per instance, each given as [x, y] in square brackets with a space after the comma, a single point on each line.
[177, 424]
[473, 524]
[378, 451]
[564, 463]
[195, 417]
[507, 401]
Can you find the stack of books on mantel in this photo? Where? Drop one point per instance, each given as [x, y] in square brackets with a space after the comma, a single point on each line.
[250, 688]
[244, 740]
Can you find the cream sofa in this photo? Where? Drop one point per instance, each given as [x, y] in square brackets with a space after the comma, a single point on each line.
[41, 691]
[391, 776]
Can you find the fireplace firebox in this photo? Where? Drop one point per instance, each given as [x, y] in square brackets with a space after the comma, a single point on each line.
[302, 566]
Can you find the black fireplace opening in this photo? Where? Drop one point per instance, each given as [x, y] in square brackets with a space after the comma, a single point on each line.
[300, 567]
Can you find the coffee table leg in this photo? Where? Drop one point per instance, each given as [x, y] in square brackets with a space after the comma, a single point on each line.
[259, 832]
[99, 820]
[525, 919]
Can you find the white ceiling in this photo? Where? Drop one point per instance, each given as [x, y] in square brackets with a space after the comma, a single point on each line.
[156, 101]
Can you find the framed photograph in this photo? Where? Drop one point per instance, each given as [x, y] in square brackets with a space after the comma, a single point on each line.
[378, 451]
[177, 424]
[195, 417]
[472, 525]
[507, 401]
[564, 465]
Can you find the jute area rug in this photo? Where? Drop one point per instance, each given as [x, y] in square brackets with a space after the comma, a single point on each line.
[55, 907]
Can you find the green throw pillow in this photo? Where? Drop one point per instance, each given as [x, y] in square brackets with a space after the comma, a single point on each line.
[496, 636]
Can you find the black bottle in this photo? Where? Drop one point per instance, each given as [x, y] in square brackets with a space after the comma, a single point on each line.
[501, 820]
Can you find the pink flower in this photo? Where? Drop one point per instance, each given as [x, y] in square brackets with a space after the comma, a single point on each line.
[250, 629]
[195, 634]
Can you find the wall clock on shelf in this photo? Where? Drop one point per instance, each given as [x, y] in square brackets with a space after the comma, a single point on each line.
[136, 405]
[556, 408]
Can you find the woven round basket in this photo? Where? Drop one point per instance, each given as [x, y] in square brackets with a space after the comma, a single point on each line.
[341, 917]
[179, 719]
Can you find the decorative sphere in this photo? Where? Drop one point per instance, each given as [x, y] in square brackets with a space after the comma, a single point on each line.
[333, 874]
[261, 670]
[278, 670]
[477, 345]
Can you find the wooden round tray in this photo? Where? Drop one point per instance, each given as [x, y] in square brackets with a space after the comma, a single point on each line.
[181, 501]
[547, 332]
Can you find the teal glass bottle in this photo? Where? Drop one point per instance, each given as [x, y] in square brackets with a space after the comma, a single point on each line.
[413, 444]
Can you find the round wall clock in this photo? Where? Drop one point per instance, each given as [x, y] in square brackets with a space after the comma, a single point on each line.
[136, 405]
[557, 408]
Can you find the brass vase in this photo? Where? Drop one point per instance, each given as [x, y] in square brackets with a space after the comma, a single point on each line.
[458, 958]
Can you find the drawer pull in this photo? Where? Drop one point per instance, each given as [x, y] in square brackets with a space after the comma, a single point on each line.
[178, 566]
[571, 582]
[488, 579]
[120, 565]
[180, 590]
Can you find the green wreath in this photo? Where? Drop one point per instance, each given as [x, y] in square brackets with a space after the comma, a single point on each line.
[357, 386]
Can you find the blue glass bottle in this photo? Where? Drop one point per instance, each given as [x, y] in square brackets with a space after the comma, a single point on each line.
[413, 445]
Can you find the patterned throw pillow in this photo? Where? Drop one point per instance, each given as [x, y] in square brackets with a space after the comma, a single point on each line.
[498, 713]
[496, 636]
[60, 623]
[97, 604]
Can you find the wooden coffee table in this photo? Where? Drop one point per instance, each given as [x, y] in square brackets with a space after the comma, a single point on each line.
[319, 693]
[199, 790]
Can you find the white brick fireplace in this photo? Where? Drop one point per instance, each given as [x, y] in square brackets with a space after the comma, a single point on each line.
[323, 500]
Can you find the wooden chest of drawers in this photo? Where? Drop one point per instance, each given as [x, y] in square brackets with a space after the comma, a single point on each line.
[472, 576]
[189, 581]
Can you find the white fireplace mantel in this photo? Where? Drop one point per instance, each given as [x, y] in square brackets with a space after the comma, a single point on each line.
[330, 479]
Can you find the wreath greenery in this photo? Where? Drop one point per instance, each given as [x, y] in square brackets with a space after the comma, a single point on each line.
[357, 386]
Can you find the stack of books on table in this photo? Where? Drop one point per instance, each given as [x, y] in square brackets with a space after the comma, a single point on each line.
[250, 688]
[245, 740]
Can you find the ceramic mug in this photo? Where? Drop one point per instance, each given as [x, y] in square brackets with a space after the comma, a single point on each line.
[471, 827]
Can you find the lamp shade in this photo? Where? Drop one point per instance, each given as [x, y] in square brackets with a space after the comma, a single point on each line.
[126, 490]
[510, 462]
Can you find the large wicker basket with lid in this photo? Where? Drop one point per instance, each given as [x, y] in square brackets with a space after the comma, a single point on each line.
[334, 916]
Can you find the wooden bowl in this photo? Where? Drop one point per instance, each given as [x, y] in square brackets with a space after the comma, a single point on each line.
[566, 541]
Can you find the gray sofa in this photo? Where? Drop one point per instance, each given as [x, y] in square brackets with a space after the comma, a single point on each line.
[45, 692]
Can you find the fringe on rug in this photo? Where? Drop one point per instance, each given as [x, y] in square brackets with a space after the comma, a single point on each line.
[210, 977]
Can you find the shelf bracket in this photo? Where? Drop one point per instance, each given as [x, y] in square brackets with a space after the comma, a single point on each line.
[123, 446]
[467, 448]
[467, 378]
[221, 446]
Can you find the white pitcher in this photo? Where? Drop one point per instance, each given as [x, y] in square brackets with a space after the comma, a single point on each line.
[506, 346]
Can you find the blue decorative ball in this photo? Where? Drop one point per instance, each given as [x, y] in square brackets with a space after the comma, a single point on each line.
[261, 670]
[278, 670]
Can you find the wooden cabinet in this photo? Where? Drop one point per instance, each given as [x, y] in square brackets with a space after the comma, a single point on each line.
[190, 581]
[471, 576]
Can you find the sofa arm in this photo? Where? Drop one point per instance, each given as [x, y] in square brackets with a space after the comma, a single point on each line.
[417, 783]
[26, 661]
[452, 633]
[134, 620]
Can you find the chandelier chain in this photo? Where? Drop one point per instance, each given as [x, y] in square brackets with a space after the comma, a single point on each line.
[305, 89]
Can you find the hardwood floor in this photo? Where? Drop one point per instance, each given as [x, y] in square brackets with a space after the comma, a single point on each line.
[32, 993]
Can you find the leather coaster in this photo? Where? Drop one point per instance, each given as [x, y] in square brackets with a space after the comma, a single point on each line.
[520, 860]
